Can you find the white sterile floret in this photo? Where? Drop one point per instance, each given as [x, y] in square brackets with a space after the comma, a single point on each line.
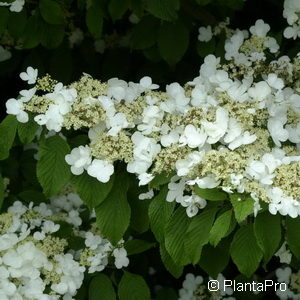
[151, 115]
[207, 182]
[30, 75]
[147, 195]
[216, 130]
[193, 137]
[146, 83]
[145, 178]
[260, 91]
[260, 28]
[92, 241]
[292, 32]
[101, 169]
[183, 166]
[116, 123]
[26, 95]
[284, 254]
[176, 188]
[63, 99]
[144, 152]
[283, 204]
[205, 34]
[76, 37]
[16, 107]
[189, 287]
[275, 82]
[79, 159]
[283, 274]
[121, 259]
[192, 203]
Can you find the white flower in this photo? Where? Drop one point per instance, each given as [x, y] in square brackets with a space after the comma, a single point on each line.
[101, 169]
[260, 91]
[146, 83]
[283, 274]
[284, 254]
[216, 130]
[205, 34]
[92, 241]
[183, 166]
[17, 5]
[27, 94]
[121, 259]
[175, 189]
[15, 107]
[193, 137]
[76, 37]
[145, 178]
[79, 159]
[275, 82]
[147, 195]
[207, 182]
[116, 123]
[292, 32]
[192, 203]
[30, 75]
[260, 28]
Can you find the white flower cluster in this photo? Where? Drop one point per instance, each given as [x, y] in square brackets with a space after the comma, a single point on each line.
[292, 281]
[194, 288]
[37, 264]
[14, 6]
[229, 129]
[291, 13]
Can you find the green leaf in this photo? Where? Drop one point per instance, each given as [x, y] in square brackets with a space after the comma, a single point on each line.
[51, 11]
[220, 227]
[244, 250]
[198, 233]
[101, 285]
[139, 220]
[51, 36]
[133, 287]
[175, 232]
[163, 9]
[94, 20]
[137, 246]
[215, 259]
[267, 230]
[242, 207]
[147, 27]
[52, 170]
[173, 40]
[210, 194]
[113, 214]
[160, 212]
[160, 179]
[293, 237]
[171, 266]
[31, 35]
[4, 16]
[8, 128]
[117, 8]
[91, 191]
[16, 24]
[26, 131]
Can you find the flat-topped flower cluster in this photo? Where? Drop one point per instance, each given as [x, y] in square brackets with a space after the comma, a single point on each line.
[36, 262]
[235, 127]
